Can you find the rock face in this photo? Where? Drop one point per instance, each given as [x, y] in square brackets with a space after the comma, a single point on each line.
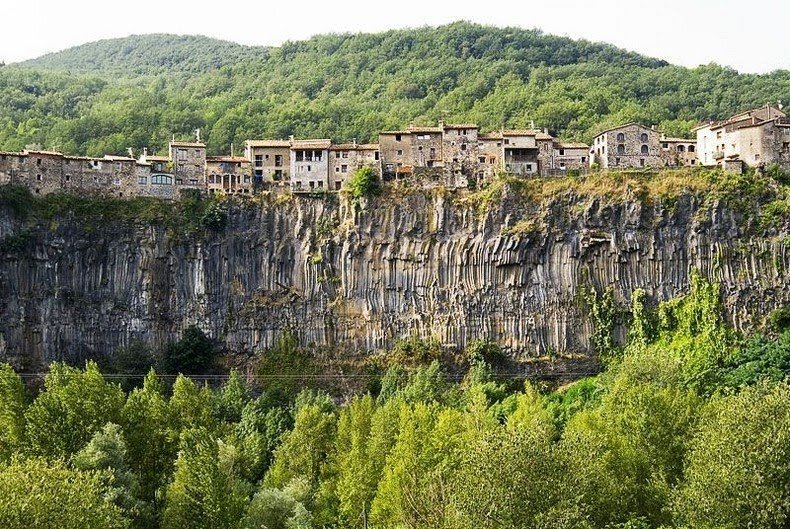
[340, 276]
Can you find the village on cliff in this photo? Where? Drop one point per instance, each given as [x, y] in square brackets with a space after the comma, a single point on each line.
[449, 155]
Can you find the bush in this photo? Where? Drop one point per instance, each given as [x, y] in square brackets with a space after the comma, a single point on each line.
[363, 183]
[194, 351]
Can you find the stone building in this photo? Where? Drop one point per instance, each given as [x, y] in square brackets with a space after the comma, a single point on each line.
[489, 156]
[271, 161]
[521, 151]
[568, 156]
[756, 138]
[189, 164]
[412, 153]
[678, 152]
[229, 174]
[460, 149]
[626, 147]
[346, 158]
[310, 164]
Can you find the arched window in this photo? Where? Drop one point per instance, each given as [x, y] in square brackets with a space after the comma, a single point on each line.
[162, 179]
[620, 136]
[643, 137]
[645, 150]
[681, 148]
[691, 148]
[621, 149]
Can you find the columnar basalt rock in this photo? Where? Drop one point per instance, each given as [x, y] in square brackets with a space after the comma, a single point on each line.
[419, 263]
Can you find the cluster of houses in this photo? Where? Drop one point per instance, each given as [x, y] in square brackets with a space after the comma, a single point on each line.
[451, 155]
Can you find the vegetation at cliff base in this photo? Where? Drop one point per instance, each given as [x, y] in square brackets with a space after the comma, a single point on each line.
[137, 92]
[686, 427]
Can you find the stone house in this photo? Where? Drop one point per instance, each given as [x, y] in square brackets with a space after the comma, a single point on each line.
[310, 164]
[412, 153]
[568, 156]
[460, 150]
[626, 147]
[522, 151]
[678, 152]
[229, 174]
[189, 164]
[155, 177]
[489, 156]
[271, 161]
[756, 138]
[346, 158]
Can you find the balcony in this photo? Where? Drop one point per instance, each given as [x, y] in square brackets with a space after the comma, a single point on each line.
[718, 155]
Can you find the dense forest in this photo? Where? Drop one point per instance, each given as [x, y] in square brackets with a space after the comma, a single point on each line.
[138, 91]
[686, 427]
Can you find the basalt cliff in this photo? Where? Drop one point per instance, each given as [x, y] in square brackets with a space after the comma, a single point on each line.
[508, 265]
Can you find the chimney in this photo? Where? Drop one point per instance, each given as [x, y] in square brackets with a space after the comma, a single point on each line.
[355, 143]
[545, 130]
[291, 138]
[145, 152]
[441, 124]
[231, 150]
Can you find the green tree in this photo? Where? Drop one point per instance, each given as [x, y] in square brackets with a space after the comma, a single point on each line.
[279, 509]
[150, 439]
[12, 411]
[74, 405]
[36, 494]
[231, 399]
[202, 494]
[193, 352]
[106, 453]
[739, 465]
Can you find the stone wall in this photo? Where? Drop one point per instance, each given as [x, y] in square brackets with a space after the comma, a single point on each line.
[415, 264]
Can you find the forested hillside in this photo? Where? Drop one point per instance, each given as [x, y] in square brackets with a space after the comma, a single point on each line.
[107, 96]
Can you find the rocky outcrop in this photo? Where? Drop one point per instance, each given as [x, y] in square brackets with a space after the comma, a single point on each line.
[425, 263]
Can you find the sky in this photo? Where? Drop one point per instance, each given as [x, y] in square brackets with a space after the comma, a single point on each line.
[748, 35]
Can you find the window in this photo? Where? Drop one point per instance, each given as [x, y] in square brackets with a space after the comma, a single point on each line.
[463, 146]
[68, 162]
[299, 156]
[584, 159]
[620, 148]
[320, 184]
[562, 152]
[278, 175]
[529, 167]
[193, 181]
[179, 181]
[95, 163]
[645, 149]
[617, 161]
[337, 186]
[116, 181]
[312, 185]
[68, 178]
[309, 168]
[258, 160]
[692, 148]
[376, 155]
[142, 180]
[161, 179]
[345, 154]
[337, 154]
[38, 177]
[343, 168]
[481, 159]
[643, 137]
[641, 162]
[337, 169]
[278, 160]
[246, 179]
[258, 173]
[620, 136]
[117, 166]
[665, 146]
[681, 148]
[397, 137]
[432, 153]
[507, 142]
[399, 152]
[562, 165]
[181, 154]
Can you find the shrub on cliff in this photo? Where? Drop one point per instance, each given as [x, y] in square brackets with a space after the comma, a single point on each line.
[363, 183]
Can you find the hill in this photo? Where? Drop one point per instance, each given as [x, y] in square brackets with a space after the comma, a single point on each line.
[147, 54]
[138, 91]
